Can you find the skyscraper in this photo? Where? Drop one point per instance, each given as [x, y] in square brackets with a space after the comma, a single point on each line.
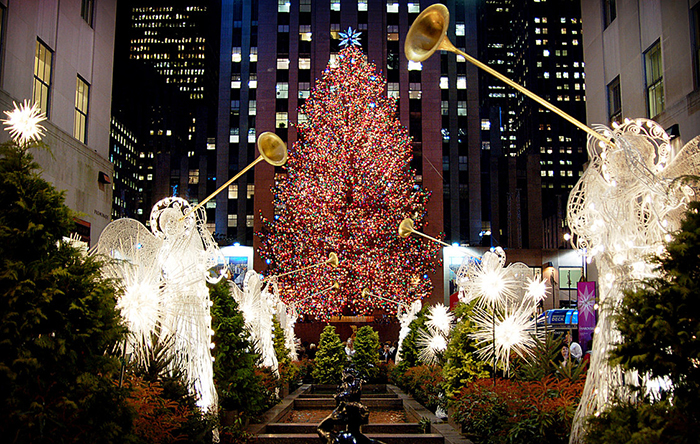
[164, 79]
[540, 155]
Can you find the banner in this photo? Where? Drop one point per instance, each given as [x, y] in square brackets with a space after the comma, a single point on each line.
[586, 313]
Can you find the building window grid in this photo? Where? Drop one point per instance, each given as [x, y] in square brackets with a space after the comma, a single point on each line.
[43, 64]
[82, 93]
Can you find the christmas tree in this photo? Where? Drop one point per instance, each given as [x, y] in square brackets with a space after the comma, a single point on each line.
[348, 186]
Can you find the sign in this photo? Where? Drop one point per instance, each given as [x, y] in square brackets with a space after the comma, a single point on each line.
[587, 319]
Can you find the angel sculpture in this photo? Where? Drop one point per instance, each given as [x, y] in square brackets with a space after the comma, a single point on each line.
[406, 315]
[626, 204]
[163, 274]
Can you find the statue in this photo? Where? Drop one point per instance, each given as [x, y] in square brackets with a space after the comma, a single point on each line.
[342, 426]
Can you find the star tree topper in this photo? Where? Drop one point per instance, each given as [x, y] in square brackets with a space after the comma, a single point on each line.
[350, 37]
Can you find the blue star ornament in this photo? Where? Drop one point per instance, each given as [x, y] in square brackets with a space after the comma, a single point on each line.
[350, 37]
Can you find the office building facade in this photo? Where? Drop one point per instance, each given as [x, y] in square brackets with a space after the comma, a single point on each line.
[58, 54]
[643, 60]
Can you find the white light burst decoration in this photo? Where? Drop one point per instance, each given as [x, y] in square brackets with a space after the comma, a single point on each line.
[440, 319]
[23, 123]
[498, 335]
[431, 344]
[536, 289]
[621, 210]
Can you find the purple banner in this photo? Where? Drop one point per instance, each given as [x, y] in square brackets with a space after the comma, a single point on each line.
[586, 313]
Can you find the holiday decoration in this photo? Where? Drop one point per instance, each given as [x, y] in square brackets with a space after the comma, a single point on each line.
[432, 342]
[163, 275]
[631, 196]
[507, 299]
[406, 314]
[347, 187]
[23, 123]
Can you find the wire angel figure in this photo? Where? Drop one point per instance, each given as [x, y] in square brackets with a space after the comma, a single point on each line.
[632, 195]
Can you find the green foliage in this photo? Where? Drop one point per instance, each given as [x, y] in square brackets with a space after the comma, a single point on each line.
[425, 383]
[330, 358]
[289, 373]
[366, 357]
[510, 411]
[659, 324]
[238, 385]
[306, 368]
[641, 423]
[461, 363]
[58, 321]
[409, 350]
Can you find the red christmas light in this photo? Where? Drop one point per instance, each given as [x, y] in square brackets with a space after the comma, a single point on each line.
[348, 186]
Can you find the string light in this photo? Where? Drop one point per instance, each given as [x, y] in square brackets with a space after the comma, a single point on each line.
[348, 185]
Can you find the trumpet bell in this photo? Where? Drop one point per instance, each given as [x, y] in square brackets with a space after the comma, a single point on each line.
[365, 293]
[427, 33]
[332, 260]
[406, 227]
[272, 148]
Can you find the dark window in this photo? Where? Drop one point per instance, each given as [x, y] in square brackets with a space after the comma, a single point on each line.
[86, 10]
[696, 39]
[609, 11]
[614, 101]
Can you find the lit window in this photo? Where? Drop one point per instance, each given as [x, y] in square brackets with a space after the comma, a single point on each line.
[254, 54]
[252, 107]
[461, 82]
[233, 135]
[304, 63]
[281, 120]
[444, 107]
[233, 220]
[43, 61]
[251, 135]
[335, 5]
[302, 118]
[305, 6]
[545, 53]
[392, 6]
[361, 5]
[193, 177]
[462, 108]
[414, 8]
[444, 82]
[654, 80]
[414, 66]
[614, 101]
[282, 90]
[282, 63]
[249, 219]
[235, 55]
[305, 36]
[393, 90]
[460, 29]
[485, 124]
[82, 91]
[283, 5]
[546, 74]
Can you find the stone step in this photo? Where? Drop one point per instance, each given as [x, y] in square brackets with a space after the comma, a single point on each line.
[301, 428]
[387, 438]
[329, 403]
[364, 396]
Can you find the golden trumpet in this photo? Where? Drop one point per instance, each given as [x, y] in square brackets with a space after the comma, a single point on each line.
[332, 261]
[272, 149]
[407, 227]
[428, 34]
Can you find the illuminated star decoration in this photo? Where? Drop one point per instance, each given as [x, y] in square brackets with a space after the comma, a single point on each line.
[433, 342]
[350, 38]
[23, 123]
[507, 299]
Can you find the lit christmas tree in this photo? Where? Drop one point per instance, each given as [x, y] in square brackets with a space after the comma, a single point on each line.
[348, 186]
